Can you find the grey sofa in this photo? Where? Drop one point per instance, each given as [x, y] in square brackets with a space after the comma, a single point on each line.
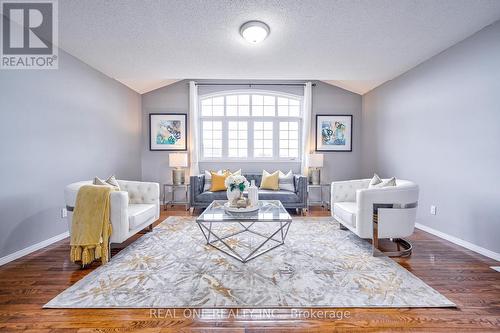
[297, 199]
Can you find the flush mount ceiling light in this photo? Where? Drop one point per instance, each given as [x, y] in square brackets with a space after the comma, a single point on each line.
[254, 31]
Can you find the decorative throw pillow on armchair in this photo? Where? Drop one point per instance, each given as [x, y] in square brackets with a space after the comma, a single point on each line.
[376, 182]
[111, 181]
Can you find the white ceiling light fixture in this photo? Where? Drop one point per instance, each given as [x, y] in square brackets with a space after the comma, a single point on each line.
[254, 31]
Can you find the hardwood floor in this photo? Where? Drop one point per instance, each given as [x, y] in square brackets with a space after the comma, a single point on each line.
[459, 274]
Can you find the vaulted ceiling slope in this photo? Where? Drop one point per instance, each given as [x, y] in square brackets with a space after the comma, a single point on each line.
[357, 45]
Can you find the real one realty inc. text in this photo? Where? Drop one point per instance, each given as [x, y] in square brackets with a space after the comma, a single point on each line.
[332, 314]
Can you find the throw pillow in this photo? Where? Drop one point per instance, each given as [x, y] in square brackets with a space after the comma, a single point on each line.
[208, 178]
[113, 182]
[270, 181]
[386, 183]
[375, 180]
[286, 182]
[99, 181]
[218, 181]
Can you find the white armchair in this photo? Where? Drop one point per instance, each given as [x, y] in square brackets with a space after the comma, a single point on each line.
[133, 208]
[375, 213]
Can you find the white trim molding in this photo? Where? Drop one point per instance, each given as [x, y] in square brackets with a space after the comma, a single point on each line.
[33, 248]
[461, 242]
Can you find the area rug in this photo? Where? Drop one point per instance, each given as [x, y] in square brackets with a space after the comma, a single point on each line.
[318, 266]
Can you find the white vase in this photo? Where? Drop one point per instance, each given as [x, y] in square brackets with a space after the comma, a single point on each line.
[253, 194]
[233, 195]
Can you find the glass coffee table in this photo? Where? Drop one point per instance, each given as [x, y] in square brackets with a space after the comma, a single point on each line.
[245, 236]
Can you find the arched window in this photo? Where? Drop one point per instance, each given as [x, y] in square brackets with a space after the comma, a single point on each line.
[252, 125]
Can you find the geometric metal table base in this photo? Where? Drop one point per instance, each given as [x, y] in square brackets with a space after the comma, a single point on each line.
[223, 242]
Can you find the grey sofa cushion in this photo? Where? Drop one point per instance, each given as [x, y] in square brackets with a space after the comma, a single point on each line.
[297, 199]
[208, 196]
[283, 196]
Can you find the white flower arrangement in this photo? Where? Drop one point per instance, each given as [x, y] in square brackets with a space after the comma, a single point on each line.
[236, 182]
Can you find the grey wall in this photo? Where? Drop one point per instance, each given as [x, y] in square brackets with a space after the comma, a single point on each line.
[327, 99]
[57, 127]
[171, 99]
[439, 125]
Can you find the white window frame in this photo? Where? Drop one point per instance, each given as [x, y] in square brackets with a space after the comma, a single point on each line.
[250, 119]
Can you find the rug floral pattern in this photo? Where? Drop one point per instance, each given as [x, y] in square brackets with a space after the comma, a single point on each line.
[319, 266]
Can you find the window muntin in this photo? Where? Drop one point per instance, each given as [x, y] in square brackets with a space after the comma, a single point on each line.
[250, 125]
[289, 139]
[237, 139]
[288, 107]
[212, 107]
[212, 138]
[237, 105]
[263, 105]
[263, 139]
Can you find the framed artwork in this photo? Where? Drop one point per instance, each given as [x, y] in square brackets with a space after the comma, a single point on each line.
[333, 132]
[167, 131]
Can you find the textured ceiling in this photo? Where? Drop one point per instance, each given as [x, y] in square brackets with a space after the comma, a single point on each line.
[357, 45]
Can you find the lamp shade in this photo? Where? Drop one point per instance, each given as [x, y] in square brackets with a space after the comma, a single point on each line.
[316, 160]
[178, 160]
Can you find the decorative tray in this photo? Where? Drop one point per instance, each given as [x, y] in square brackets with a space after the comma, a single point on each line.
[248, 209]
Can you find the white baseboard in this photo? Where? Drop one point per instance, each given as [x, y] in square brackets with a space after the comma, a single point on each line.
[461, 242]
[33, 248]
[453, 239]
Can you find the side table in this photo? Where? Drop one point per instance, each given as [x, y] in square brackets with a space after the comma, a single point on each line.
[172, 201]
[321, 201]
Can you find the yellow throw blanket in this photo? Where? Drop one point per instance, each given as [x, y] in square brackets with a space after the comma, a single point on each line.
[91, 227]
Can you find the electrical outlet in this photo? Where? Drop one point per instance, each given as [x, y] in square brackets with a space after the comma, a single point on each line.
[64, 213]
[433, 210]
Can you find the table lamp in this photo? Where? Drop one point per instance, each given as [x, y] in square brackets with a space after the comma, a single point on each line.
[315, 163]
[178, 161]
